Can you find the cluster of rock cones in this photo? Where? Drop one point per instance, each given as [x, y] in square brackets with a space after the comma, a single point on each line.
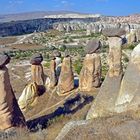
[118, 93]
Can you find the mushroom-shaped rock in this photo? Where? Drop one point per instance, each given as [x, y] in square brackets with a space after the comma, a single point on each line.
[90, 75]
[93, 46]
[28, 97]
[66, 79]
[37, 72]
[113, 32]
[104, 103]
[10, 113]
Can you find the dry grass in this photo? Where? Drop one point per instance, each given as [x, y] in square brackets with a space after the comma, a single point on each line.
[7, 40]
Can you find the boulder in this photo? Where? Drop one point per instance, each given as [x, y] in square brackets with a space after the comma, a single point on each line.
[4, 60]
[113, 32]
[90, 75]
[93, 46]
[104, 103]
[66, 79]
[37, 74]
[28, 97]
[10, 113]
[36, 59]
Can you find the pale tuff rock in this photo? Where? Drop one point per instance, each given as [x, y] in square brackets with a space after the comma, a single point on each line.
[28, 97]
[60, 27]
[53, 78]
[58, 62]
[90, 75]
[104, 103]
[128, 97]
[58, 66]
[66, 79]
[37, 74]
[131, 37]
[114, 57]
[68, 28]
[10, 113]
[89, 29]
[138, 35]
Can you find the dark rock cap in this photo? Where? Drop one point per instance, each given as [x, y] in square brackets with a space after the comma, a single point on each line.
[4, 60]
[56, 53]
[36, 59]
[93, 46]
[113, 32]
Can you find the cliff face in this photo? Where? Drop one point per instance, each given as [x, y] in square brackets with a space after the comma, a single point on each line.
[30, 26]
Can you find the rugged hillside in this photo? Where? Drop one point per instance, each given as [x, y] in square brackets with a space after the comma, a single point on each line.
[30, 26]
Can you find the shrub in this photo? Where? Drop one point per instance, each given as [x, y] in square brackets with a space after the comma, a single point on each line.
[77, 66]
[47, 64]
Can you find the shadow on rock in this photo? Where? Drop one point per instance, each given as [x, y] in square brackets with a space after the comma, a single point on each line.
[71, 106]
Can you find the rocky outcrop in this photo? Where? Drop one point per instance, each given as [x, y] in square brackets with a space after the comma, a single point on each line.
[114, 128]
[104, 103]
[10, 113]
[90, 75]
[66, 79]
[128, 97]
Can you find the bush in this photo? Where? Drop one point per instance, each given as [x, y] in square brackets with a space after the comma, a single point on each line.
[131, 47]
[47, 65]
[62, 48]
[77, 66]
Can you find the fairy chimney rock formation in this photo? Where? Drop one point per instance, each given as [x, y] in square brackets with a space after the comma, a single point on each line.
[66, 79]
[90, 75]
[104, 103]
[37, 72]
[10, 113]
[53, 78]
[114, 57]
